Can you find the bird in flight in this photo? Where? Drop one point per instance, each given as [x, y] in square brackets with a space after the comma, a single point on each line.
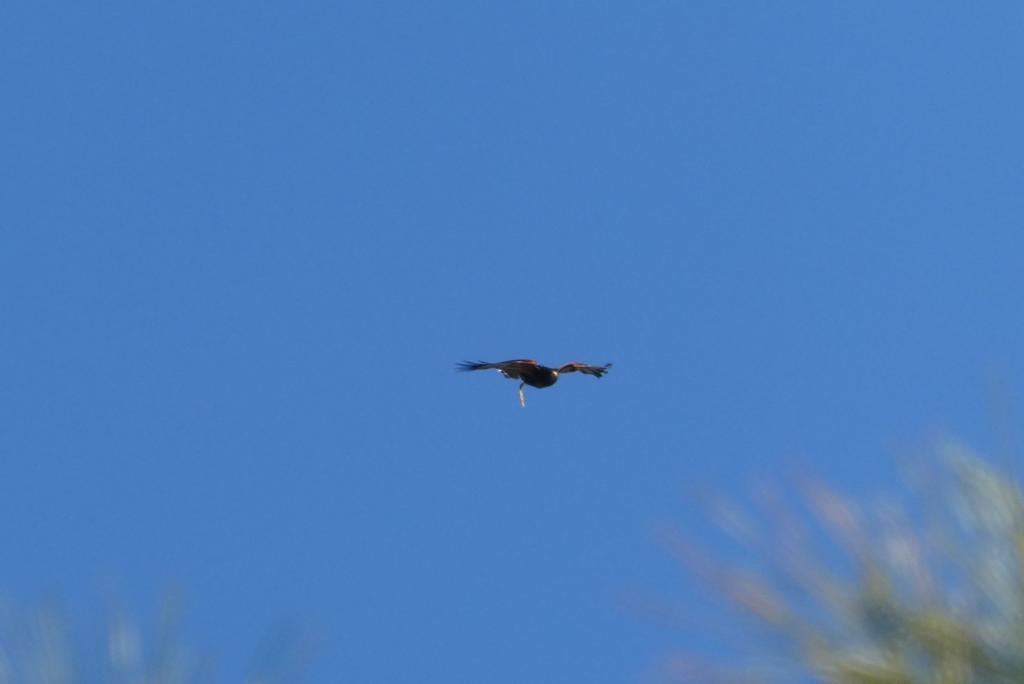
[531, 373]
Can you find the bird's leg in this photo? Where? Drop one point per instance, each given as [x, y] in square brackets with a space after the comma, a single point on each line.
[522, 397]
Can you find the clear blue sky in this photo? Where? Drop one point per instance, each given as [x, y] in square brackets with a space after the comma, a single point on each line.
[243, 245]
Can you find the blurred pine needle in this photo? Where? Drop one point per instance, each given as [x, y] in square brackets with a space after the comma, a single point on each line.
[923, 588]
[36, 647]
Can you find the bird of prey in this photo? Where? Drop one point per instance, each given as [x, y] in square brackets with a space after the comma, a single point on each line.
[531, 373]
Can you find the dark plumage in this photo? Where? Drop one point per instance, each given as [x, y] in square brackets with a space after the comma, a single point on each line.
[531, 373]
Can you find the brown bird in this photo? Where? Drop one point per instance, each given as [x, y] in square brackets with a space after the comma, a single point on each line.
[531, 373]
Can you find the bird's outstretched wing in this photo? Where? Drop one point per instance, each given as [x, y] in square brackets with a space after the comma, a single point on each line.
[510, 369]
[575, 366]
